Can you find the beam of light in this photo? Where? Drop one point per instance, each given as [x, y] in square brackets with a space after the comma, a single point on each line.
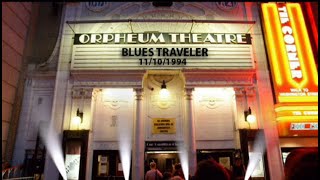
[184, 160]
[124, 138]
[53, 146]
[124, 130]
[258, 151]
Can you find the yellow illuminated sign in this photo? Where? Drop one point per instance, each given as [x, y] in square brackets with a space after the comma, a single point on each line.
[164, 126]
[292, 62]
[291, 117]
[296, 112]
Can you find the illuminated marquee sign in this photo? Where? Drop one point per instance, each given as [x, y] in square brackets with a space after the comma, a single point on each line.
[293, 66]
[162, 38]
[173, 50]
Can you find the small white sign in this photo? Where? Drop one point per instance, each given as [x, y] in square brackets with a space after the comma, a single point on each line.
[120, 167]
[72, 164]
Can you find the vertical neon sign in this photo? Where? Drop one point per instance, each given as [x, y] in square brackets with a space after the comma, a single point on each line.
[293, 67]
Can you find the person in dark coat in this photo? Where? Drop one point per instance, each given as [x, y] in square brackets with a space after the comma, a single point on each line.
[210, 169]
[302, 164]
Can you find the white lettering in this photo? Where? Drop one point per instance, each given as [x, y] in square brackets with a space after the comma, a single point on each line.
[219, 38]
[84, 38]
[95, 38]
[118, 37]
[183, 37]
[131, 38]
[296, 113]
[291, 48]
[286, 30]
[283, 15]
[229, 39]
[294, 65]
[240, 38]
[196, 37]
[288, 39]
[152, 38]
[141, 40]
[173, 37]
[296, 74]
[293, 57]
[209, 38]
[107, 38]
[156, 39]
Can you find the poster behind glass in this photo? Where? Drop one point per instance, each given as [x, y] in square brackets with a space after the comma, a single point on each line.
[259, 170]
[72, 162]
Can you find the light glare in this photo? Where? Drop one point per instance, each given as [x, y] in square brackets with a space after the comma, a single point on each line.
[258, 151]
[124, 131]
[184, 160]
[76, 120]
[251, 118]
[53, 146]
[164, 93]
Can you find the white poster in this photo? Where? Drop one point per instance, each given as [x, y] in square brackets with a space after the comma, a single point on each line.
[72, 166]
[259, 170]
[120, 167]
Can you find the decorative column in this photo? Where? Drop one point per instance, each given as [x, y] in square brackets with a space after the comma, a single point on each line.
[138, 139]
[240, 104]
[89, 166]
[190, 132]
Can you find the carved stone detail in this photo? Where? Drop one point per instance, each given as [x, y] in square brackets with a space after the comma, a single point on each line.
[106, 145]
[245, 90]
[210, 102]
[85, 93]
[163, 103]
[45, 83]
[239, 91]
[108, 84]
[188, 94]
[113, 103]
[95, 93]
[139, 93]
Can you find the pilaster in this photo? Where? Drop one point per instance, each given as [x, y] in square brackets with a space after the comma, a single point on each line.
[139, 138]
[190, 131]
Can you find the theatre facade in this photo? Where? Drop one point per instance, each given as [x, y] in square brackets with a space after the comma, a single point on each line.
[134, 82]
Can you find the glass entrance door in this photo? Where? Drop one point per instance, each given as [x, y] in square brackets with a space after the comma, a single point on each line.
[165, 160]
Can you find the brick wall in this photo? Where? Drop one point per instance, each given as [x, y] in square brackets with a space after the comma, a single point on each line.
[15, 24]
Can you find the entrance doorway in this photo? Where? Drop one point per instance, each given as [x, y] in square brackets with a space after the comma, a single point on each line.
[164, 160]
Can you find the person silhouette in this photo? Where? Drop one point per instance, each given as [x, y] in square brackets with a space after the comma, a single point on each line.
[302, 164]
[153, 173]
[210, 169]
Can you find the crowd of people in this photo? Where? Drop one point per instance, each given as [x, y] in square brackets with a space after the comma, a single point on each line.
[206, 169]
[300, 164]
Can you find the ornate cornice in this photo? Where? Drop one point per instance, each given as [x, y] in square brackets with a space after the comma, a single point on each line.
[219, 78]
[110, 78]
[248, 90]
[78, 93]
